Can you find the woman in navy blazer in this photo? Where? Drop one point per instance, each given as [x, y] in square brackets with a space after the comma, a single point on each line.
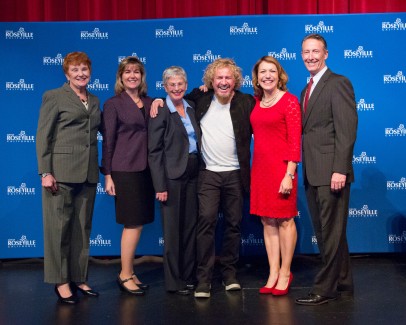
[125, 163]
[173, 140]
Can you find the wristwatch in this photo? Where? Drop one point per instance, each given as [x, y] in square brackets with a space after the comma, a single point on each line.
[45, 174]
[290, 175]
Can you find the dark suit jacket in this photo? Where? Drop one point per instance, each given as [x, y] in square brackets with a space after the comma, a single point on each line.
[168, 146]
[329, 130]
[240, 110]
[66, 141]
[125, 134]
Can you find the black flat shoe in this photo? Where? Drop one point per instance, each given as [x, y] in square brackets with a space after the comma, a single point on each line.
[142, 286]
[89, 292]
[137, 292]
[71, 300]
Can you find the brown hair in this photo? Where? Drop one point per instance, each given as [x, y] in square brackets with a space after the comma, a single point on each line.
[119, 86]
[76, 58]
[282, 75]
[316, 37]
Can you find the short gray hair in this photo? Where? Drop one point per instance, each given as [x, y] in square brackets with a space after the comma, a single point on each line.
[173, 71]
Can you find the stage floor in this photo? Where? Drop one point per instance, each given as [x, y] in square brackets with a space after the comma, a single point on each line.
[380, 297]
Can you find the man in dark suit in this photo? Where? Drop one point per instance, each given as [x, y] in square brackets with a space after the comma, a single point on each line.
[329, 133]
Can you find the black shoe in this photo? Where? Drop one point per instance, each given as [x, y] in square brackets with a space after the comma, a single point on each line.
[314, 300]
[181, 292]
[142, 286]
[89, 292]
[137, 292]
[71, 300]
[231, 284]
[202, 290]
[190, 287]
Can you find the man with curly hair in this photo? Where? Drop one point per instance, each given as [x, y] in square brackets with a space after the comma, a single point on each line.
[224, 116]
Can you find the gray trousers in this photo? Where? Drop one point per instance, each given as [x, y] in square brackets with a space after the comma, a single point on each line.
[67, 217]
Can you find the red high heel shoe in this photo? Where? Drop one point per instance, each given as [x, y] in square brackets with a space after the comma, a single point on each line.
[277, 292]
[266, 290]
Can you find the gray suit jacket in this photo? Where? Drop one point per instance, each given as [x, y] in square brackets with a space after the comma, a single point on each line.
[329, 130]
[168, 146]
[66, 139]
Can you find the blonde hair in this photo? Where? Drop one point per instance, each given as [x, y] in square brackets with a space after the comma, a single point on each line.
[119, 86]
[219, 64]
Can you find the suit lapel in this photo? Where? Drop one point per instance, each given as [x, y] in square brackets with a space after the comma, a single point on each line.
[177, 120]
[76, 100]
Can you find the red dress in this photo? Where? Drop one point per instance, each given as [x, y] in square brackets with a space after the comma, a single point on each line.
[277, 135]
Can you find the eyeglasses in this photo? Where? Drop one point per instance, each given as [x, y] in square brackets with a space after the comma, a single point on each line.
[174, 85]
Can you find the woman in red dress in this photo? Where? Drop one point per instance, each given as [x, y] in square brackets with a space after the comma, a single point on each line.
[276, 123]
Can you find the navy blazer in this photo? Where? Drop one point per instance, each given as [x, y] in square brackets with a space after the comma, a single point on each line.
[125, 132]
[168, 145]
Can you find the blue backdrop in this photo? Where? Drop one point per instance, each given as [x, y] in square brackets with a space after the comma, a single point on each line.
[368, 49]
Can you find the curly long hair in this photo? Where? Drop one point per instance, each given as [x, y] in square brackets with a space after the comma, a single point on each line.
[219, 64]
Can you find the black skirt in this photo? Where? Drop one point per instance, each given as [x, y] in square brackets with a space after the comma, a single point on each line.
[135, 198]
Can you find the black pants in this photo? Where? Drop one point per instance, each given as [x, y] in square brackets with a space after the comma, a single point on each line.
[215, 190]
[329, 213]
[179, 218]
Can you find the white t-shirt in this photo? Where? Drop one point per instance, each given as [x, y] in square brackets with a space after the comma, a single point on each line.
[218, 140]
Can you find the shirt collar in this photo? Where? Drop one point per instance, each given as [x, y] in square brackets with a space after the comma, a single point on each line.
[171, 107]
[319, 74]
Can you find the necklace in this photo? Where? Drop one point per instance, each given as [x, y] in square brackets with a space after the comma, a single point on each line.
[269, 102]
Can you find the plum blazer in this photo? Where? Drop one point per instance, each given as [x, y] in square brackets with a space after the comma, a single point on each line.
[125, 134]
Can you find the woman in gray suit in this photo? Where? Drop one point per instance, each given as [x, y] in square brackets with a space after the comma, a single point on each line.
[125, 165]
[68, 164]
[173, 140]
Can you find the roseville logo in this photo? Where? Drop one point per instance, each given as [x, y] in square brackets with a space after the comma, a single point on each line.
[245, 29]
[21, 190]
[320, 28]
[170, 32]
[22, 137]
[99, 241]
[283, 55]
[23, 242]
